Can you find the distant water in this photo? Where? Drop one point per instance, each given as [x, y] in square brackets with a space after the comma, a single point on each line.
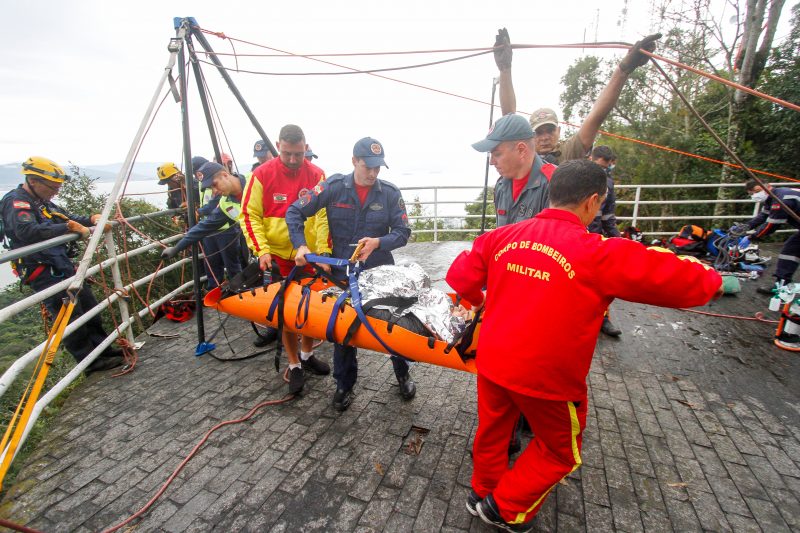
[156, 194]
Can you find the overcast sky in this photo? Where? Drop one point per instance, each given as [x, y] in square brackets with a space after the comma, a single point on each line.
[76, 77]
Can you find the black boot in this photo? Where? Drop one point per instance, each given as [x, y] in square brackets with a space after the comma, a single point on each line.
[268, 337]
[609, 328]
[342, 399]
[408, 389]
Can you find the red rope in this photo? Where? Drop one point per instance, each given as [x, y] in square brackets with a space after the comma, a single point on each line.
[602, 45]
[782, 103]
[758, 317]
[194, 451]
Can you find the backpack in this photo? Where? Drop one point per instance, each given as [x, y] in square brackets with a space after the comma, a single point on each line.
[690, 240]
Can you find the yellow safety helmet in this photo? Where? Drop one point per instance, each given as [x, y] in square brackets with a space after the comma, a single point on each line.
[44, 168]
[166, 171]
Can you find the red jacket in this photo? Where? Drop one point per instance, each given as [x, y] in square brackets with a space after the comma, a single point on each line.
[548, 282]
[269, 192]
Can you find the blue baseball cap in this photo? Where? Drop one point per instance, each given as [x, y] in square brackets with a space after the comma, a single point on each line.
[260, 149]
[507, 128]
[207, 173]
[197, 162]
[310, 154]
[371, 151]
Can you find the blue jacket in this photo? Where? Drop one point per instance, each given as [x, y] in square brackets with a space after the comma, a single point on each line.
[221, 215]
[28, 220]
[605, 222]
[383, 215]
[772, 215]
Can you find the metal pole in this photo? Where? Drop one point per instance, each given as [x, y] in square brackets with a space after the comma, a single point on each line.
[224, 73]
[636, 206]
[80, 274]
[203, 100]
[435, 213]
[495, 81]
[187, 156]
[118, 285]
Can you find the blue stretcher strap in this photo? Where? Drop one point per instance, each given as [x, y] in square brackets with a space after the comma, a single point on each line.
[302, 307]
[329, 330]
[355, 301]
[333, 261]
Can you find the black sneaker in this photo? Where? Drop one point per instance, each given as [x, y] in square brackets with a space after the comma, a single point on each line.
[296, 380]
[268, 337]
[342, 399]
[472, 502]
[104, 363]
[488, 512]
[609, 328]
[315, 366]
[408, 389]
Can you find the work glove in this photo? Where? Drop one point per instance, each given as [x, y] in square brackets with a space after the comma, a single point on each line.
[502, 56]
[76, 227]
[94, 220]
[169, 253]
[635, 58]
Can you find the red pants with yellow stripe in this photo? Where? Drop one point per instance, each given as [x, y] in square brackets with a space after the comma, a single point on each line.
[554, 452]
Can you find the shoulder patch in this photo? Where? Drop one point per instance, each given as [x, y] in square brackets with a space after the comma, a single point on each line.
[20, 204]
[24, 216]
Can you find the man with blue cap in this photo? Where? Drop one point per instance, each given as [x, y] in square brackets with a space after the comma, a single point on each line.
[261, 153]
[225, 216]
[522, 190]
[361, 210]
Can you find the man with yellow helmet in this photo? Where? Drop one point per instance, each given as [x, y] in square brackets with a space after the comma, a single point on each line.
[169, 174]
[29, 217]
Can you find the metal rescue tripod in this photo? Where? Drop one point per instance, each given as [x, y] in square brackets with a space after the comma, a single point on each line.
[186, 29]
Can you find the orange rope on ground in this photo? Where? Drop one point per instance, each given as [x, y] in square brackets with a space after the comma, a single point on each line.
[192, 453]
[759, 317]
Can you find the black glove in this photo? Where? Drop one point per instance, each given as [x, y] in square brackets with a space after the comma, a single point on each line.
[169, 253]
[502, 56]
[635, 58]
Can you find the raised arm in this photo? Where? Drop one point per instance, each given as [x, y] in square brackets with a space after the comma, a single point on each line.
[610, 94]
[502, 58]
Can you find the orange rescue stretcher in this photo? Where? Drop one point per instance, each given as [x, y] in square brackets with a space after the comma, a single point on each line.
[308, 312]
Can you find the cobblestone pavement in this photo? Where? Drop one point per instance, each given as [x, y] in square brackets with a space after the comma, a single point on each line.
[692, 426]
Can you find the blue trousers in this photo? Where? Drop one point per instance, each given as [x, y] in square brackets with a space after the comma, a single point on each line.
[789, 258]
[223, 252]
[85, 338]
[345, 366]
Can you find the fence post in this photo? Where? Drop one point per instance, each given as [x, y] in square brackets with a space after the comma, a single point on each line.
[435, 214]
[111, 249]
[636, 206]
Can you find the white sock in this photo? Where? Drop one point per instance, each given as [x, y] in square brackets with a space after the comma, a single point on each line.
[305, 355]
[296, 365]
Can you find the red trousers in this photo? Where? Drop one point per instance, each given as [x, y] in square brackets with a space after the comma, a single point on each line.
[554, 452]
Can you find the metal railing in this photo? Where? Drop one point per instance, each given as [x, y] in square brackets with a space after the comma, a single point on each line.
[124, 327]
[438, 216]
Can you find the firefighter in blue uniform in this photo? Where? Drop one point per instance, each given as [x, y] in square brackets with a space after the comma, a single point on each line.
[769, 218]
[361, 209]
[29, 217]
[222, 222]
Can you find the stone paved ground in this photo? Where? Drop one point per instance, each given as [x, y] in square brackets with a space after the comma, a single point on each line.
[692, 426]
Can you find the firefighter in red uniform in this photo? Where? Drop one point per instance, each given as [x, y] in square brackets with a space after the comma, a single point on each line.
[570, 276]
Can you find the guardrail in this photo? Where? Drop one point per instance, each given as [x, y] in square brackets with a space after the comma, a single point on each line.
[439, 226]
[112, 263]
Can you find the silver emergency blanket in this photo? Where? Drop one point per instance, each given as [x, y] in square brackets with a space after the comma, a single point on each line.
[433, 307]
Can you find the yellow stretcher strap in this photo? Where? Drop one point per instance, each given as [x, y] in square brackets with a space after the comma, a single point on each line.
[16, 427]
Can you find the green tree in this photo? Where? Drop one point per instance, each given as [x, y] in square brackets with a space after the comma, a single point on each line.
[476, 208]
